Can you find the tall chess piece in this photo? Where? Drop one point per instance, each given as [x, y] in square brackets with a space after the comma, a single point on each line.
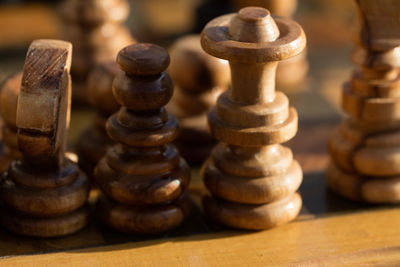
[252, 178]
[143, 177]
[365, 149]
[199, 79]
[96, 30]
[94, 141]
[292, 71]
[8, 110]
[44, 193]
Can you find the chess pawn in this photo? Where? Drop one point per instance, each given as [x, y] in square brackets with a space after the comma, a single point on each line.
[94, 141]
[143, 177]
[8, 109]
[96, 30]
[252, 178]
[44, 194]
[365, 148]
[292, 71]
[199, 79]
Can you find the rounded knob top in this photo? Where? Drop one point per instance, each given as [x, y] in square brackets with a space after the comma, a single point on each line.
[143, 59]
[9, 98]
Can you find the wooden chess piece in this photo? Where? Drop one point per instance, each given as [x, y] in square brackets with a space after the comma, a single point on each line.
[365, 149]
[94, 141]
[199, 79]
[96, 30]
[292, 71]
[8, 109]
[143, 176]
[44, 193]
[252, 178]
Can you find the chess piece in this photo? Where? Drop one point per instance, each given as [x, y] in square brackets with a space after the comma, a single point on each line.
[252, 178]
[8, 109]
[199, 79]
[94, 141]
[44, 193]
[292, 71]
[365, 149]
[143, 177]
[96, 31]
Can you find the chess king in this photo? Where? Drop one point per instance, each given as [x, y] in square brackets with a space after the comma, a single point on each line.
[252, 178]
[365, 148]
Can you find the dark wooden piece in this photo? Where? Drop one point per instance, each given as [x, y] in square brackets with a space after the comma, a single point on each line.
[199, 79]
[143, 177]
[252, 178]
[44, 193]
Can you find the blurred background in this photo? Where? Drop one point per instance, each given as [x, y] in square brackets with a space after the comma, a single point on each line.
[328, 26]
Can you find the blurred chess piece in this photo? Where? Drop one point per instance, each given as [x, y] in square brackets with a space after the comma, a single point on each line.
[199, 79]
[8, 110]
[94, 141]
[365, 149]
[44, 193]
[252, 178]
[96, 30]
[292, 71]
[143, 177]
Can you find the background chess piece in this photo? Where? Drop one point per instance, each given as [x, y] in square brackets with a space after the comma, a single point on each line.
[292, 71]
[252, 178]
[44, 193]
[143, 176]
[365, 149]
[96, 30]
[8, 109]
[94, 141]
[199, 79]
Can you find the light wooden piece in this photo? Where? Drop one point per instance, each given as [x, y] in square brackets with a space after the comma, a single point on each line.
[95, 28]
[44, 193]
[199, 80]
[251, 177]
[8, 110]
[143, 176]
[94, 141]
[366, 147]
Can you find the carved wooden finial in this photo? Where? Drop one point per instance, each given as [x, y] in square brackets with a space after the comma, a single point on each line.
[253, 178]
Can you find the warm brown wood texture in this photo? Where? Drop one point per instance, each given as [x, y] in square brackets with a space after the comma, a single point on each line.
[365, 148]
[252, 178]
[43, 194]
[8, 110]
[95, 28]
[94, 141]
[143, 176]
[199, 79]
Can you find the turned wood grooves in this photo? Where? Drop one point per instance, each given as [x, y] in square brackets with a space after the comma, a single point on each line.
[44, 193]
[94, 141]
[8, 110]
[143, 177]
[96, 30]
[365, 148]
[252, 178]
[199, 79]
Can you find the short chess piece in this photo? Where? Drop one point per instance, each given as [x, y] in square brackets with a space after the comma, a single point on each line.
[199, 79]
[44, 194]
[292, 71]
[365, 148]
[252, 178]
[143, 177]
[94, 141]
[8, 110]
[96, 30]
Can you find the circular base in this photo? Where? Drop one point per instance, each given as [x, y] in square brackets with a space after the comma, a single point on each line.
[361, 188]
[45, 227]
[143, 219]
[253, 217]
